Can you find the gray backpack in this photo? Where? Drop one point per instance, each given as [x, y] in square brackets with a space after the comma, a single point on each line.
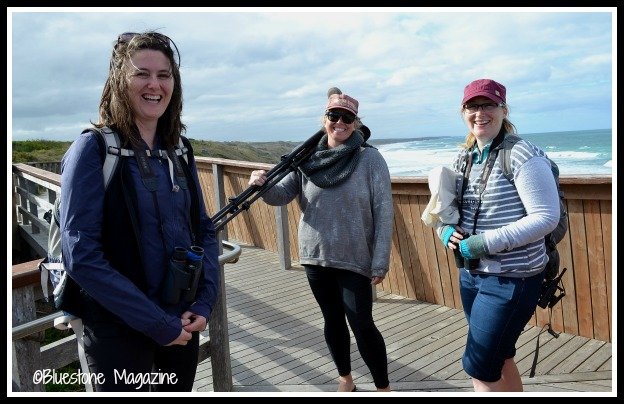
[52, 270]
[553, 238]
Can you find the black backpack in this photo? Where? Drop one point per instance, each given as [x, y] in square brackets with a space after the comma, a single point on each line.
[552, 239]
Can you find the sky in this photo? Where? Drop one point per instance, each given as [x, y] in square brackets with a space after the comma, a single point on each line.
[263, 74]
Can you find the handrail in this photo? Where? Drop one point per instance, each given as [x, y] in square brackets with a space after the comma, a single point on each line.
[232, 256]
[35, 326]
[43, 323]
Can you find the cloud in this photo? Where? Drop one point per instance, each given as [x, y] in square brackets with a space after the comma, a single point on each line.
[252, 76]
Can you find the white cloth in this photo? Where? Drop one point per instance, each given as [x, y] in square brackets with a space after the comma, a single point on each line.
[442, 207]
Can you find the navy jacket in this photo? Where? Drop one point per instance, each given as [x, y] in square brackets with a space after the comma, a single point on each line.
[117, 245]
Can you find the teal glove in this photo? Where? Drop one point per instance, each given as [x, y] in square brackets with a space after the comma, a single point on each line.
[446, 233]
[473, 247]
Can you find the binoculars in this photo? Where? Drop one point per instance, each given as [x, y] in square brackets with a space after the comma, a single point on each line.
[185, 268]
[461, 262]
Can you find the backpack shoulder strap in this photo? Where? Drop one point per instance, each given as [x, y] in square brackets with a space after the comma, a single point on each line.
[555, 170]
[505, 155]
[110, 144]
[111, 159]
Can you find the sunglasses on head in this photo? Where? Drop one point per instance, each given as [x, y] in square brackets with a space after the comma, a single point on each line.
[335, 116]
[163, 39]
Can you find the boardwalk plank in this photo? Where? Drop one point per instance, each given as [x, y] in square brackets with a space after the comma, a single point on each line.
[595, 361]
[574, 361]
[547, 363]
[549, 347]
[277, 343]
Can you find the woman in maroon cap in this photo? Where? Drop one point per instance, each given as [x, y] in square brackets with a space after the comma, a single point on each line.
[499, 240]
[345, 233]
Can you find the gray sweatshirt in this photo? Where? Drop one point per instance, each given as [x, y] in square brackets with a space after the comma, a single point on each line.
[347, 226]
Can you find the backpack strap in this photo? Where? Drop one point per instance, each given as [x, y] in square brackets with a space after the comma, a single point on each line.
[111, 144]
[111, 140]
[505, 154]
[66, 321]
[175, 166]
[113, 151]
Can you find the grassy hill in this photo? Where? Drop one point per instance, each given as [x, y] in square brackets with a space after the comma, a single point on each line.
[258, 152]
[26, 151]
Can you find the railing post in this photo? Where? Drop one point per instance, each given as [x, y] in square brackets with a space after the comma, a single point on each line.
[32, 207]
[219, 193]
[23, 201]
[218, 323]
[283, 237]
[14, 227]
[51, 196]
[26, 349]
[220, 338]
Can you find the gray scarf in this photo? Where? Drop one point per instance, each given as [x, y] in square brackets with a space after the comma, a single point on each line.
[328, 167]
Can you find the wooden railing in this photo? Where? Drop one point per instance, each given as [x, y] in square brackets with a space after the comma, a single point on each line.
[34, 193]
[420, 268]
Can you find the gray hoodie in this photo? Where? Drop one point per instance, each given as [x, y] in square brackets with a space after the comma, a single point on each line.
[347, 226]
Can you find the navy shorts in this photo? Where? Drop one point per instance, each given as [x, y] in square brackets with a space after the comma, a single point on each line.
[497, 309]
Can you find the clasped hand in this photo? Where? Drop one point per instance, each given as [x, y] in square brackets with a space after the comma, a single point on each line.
[454, 237]
[190, 322]
[258, 177]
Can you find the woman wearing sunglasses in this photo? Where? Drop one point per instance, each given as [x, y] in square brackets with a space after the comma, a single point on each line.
[141, 331]
[345, 233]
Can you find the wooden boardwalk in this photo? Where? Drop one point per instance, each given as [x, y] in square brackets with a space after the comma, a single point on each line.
[277, 344]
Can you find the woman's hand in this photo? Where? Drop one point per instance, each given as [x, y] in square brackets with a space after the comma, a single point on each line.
[258, 177]
[195, 321]
[184, 336]
[375, 280]
[452, 235]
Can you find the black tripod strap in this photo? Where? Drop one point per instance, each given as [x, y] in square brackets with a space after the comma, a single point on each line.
[551, 332]
[534, 365]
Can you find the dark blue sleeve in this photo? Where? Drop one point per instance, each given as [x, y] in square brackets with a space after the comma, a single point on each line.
[208, 288]
[81, 213]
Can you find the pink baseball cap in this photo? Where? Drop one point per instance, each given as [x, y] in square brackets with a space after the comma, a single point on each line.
[343, 101]
[487, 88]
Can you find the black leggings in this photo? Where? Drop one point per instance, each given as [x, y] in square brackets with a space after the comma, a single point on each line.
[130, 361]
[341, 293]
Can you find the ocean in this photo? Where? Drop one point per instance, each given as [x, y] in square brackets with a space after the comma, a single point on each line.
[575, 152]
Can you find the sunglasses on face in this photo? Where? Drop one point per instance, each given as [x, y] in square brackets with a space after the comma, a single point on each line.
[335, 116]
[163, 39]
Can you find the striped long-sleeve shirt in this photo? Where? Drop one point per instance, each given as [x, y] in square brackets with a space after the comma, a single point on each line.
[513, 219]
